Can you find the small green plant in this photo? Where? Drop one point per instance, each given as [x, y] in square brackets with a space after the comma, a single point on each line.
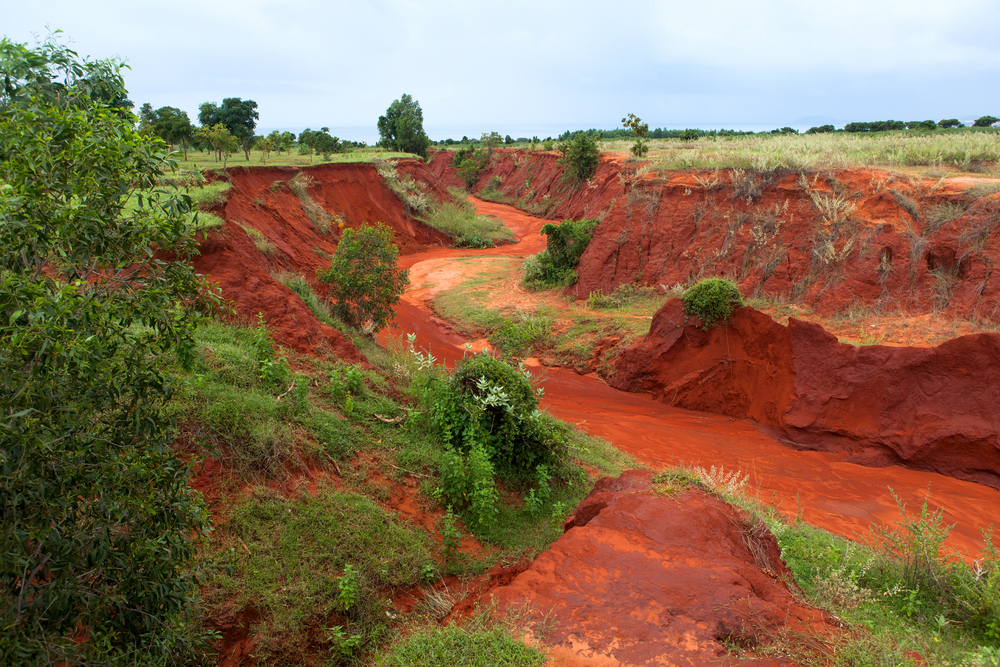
[300, 397]
[346, 380]
[262, 242]
[366, 281]
[537, 497]
[271, 369]
[342, 642]
[451, 538]
[458, 219]
[712, 301]
[347, 588]
[514, 339]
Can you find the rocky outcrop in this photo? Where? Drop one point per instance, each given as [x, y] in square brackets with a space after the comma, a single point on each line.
[935, 409]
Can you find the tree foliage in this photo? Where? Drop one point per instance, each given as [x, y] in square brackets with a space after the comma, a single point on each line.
[239, 117]
[640, 129]
[986, 121]
[402, 127]
[321, 142]
[224, 143]
[366, 281]
[98, 523]
[168, 123]
[580, 155]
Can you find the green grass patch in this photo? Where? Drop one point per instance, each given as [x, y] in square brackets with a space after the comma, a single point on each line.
[481, 641]
[312, 563]
[458, 220]
[203, 197]
[202, 160]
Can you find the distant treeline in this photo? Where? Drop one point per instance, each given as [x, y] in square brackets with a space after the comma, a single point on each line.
[691, 134]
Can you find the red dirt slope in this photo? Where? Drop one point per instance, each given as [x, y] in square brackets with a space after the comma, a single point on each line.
[935, 409]
[826, 239]
[260, 199]
[640, 577]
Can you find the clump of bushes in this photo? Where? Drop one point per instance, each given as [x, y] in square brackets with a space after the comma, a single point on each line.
[556, 265]
[712, 301]
[487, 415]
[580, 155]
[470, 163]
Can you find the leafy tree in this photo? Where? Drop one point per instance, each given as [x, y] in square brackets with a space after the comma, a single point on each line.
[822, 129]
[986, 121]
[265, 145]
[949, 123]
[239, 116]
[168, 123]
[326, 144]
[287, 139]
[491, 141]
[221, 140]
[99, 527]
[366, 281]
[640, 129]
[580, 156]
[402, 127]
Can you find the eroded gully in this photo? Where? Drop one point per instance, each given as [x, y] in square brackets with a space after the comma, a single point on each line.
[841, 497]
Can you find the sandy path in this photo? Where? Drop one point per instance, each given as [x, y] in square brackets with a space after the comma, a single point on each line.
[841, 497]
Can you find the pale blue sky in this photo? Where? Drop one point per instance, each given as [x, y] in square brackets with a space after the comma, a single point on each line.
[536, 67]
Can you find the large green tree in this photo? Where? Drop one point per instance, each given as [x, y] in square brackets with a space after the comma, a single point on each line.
[98, 527]
[239, 116]
[402, 127]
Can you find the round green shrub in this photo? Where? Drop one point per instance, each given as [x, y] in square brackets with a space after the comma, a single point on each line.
[712, 301]
[498, 373]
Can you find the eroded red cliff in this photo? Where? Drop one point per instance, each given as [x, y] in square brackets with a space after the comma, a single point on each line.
[934, 409]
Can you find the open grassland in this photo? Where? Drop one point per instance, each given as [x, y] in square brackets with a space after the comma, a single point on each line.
[937, 153]
[945, 151]
[201, 160]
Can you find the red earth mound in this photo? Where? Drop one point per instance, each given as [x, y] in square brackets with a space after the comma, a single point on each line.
[261, 200]
[827, 239]
[935, 409]
[643, 577]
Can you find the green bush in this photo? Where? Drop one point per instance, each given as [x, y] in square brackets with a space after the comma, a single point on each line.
[580, 157]
[487, 415]
[712, 301]
[470, 163]
[565, 243]
[365, 278]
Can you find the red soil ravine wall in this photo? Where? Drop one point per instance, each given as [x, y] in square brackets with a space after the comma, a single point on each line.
[935, 409]
[768, 232]
[643, 578]
[353, 194]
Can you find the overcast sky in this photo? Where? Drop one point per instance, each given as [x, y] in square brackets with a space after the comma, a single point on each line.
[528, 67]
